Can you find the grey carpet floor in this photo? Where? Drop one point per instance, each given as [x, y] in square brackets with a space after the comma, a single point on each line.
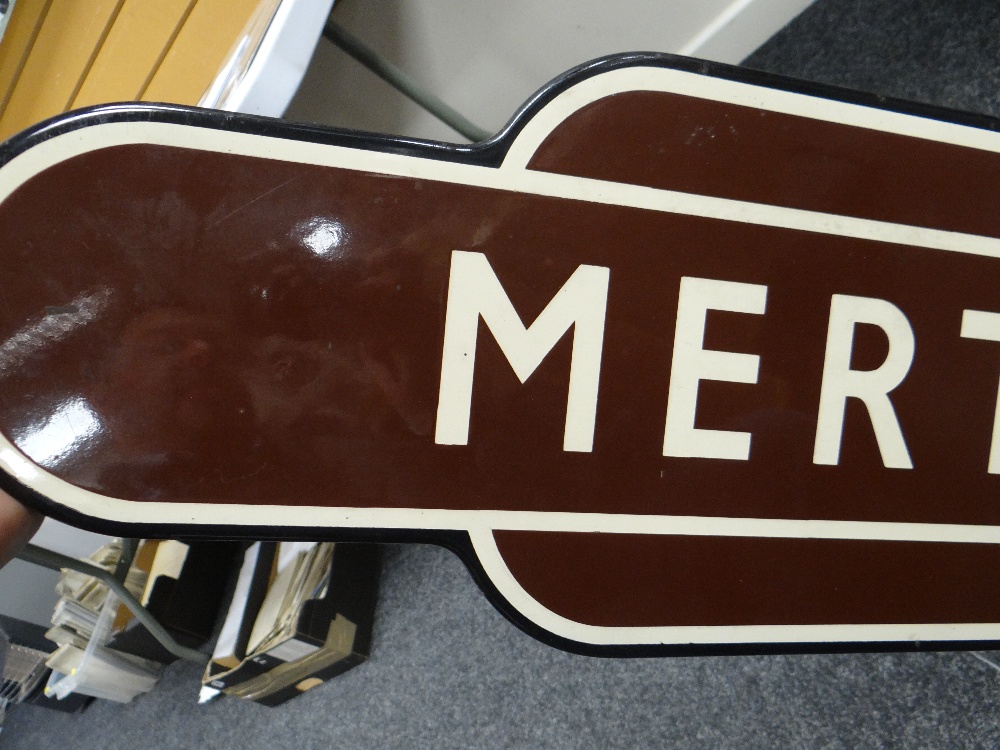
[447, 671]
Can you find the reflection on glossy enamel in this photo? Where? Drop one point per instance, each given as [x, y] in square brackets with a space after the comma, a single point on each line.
[15, 463]
[54, 325]
[323, 237]
[71, 426]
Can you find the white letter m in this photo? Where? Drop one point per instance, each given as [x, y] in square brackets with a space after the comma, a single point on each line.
[474, 291]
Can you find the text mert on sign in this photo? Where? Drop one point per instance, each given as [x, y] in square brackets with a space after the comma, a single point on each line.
[683, 360]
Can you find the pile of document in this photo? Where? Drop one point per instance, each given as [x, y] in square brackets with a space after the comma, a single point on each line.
[301, 614]
[82, 597]
[85, 618]
[104, 651]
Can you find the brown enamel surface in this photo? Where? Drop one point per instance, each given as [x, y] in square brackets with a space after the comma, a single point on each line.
[241, 330]
[647, 580]
[702, 146]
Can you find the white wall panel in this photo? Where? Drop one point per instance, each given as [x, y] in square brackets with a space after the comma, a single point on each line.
[488, 58]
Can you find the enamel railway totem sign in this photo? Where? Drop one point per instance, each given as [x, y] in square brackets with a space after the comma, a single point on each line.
[687, 359]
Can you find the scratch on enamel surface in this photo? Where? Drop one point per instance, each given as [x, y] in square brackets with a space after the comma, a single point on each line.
[251, 202]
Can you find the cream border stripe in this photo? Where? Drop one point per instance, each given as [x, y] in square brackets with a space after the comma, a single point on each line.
[482, 521]
[75, 143]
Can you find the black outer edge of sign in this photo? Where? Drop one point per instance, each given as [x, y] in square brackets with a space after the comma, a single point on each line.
[489, 153]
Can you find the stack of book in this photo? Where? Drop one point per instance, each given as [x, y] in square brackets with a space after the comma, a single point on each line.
[301, 614]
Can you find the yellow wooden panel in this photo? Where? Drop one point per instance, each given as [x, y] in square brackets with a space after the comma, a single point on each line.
[22, 28]
[140, 38]
[69, 40]
[200, 51]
